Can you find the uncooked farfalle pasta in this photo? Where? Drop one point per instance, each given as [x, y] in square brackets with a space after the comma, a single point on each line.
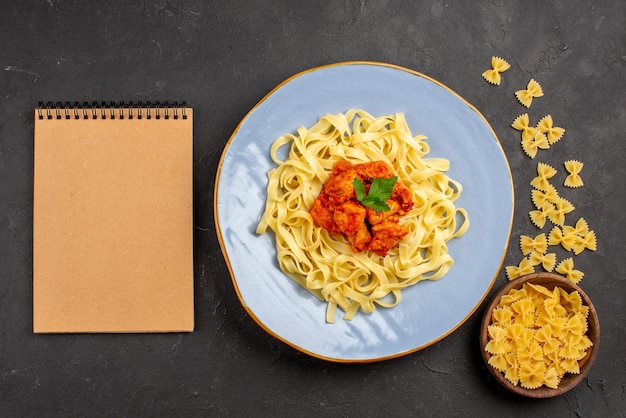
[551, 207]
[544, 173]
[547, 260]
[574, 238]
[566, 268]
[552, 133]
[534, 138]
[535, 251]
[524, 267]
[529, 245]
[537, 335]
[325, 264]
[498, 65]
[532, 145]
[522, 124]
[573, 180]
[532, 90]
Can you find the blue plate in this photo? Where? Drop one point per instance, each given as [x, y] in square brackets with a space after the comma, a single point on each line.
[430, 310]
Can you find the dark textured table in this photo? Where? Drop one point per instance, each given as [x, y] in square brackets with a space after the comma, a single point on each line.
[222, 57]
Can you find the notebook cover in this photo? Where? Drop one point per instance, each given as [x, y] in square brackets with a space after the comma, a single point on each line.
[113, 224]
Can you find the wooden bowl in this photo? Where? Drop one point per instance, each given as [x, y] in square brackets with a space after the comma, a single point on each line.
[549, 281]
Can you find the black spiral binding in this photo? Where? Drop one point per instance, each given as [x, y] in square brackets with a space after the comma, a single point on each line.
[112, 110]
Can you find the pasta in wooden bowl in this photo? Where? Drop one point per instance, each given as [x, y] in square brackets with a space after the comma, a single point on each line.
[540, 335]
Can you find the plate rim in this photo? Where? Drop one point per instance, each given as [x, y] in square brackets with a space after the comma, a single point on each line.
[224, 251]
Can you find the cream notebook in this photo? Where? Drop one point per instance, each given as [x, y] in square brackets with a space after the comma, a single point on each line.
[113, 218]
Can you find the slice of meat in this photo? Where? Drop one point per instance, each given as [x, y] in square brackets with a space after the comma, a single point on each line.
[361, 239]
[349, 216]
[339, 187]
[374, 217]
[386, 235]
[372, 170]
[402, 196]
[342, 165]
[322, 214]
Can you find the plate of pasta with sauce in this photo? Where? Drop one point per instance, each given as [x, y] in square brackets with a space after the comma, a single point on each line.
[364, 211]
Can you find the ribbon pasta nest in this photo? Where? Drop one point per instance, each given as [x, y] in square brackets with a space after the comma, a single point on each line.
[325, 264]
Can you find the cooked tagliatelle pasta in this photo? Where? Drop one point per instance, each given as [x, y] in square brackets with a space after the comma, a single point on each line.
[325, 264]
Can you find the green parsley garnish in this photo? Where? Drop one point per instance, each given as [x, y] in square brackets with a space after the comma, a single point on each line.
[380, 191]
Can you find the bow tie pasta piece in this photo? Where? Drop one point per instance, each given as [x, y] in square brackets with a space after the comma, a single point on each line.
[582, 227]
[552, 345]
[512, 372]
[584, 242]
[537, 291]
[553, 133]
[561, 208]
[569, 351]
[533, 89]
[531, 374]
[556, 324]
[570, 365]
[513, 296]
[551, 379]
[533, 144]
[538, 244]
[524, 311]
[498, 343]
[520, 336]
[531, 354]
[564, 236]
[549, 341]
[523, 268]
[554, 309]
[522, 124]
[547, 261]
[498, 362]
[590, 241]
[543, 334]
[544, 173]
[539, 198]
[564, 205]
[576, 325]
[538, 217]
[584, 343]
[574, 168]
[498, 65]
[566, 268]
[555, 237]
[502, 316]
[573, 300]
